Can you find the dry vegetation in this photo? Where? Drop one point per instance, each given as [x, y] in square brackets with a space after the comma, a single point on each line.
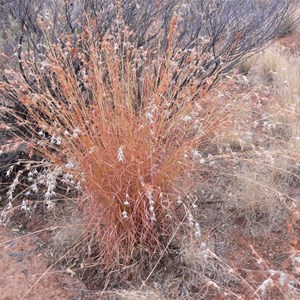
[164, 179]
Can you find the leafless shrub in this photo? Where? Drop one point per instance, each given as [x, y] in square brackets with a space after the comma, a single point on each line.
[224, 30]
[290, 23]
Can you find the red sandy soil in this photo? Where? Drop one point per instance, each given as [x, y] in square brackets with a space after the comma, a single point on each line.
[24, 275]
[274, 255]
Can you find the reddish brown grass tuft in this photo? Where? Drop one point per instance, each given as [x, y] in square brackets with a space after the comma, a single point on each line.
[130, 125]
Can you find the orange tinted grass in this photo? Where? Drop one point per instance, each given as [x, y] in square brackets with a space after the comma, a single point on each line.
[129, 138]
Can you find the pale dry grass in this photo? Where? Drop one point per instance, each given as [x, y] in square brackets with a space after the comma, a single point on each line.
[283, 108]
[287, 89]
[263, 66]
[278, 71]
[151, 294]
[257, 194]
[259, 153]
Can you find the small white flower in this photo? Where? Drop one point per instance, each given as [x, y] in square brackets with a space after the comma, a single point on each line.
[196, 153]
[202, 161]
[179, 200]
[24, 206]
[185, 156]
[121, 157]
[92, 150]
[248, 135]
[70, 165]
[149, 116]
[76, 132]
[49, 204]
[124, 214]
[197, 233]
[58, 140]
[48, 195]
[126, 202]
[34, 188]
[186, 119]
[8, 172]
[191, 219]
[142, 181]
[153, 218]
[40, 143]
